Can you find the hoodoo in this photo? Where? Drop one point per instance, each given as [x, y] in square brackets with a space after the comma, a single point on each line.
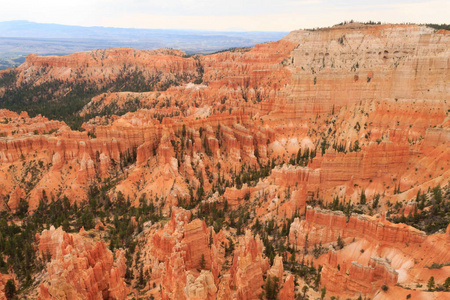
[315, 165]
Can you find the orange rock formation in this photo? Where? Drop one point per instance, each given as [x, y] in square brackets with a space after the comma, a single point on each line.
[78, 268]
[371, 100]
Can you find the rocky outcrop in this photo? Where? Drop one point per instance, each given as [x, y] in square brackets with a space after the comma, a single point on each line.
[185, 256]
[108, 65]
[224, 291]
[355, 83]
[248, 267]
[202, 287]
[198, 239]
[277, 268]
[377, 161]
[386, 61]
[229, 129]
[324, 226]
[356, 278]
[78, 268]
[287, 292]
[436, 136]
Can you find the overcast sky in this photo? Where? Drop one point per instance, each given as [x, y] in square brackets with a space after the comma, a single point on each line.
[265, 15]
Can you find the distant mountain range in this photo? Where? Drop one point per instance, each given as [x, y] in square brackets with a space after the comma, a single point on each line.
[20, 38]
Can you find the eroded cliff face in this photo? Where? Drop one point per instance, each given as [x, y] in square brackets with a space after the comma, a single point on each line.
[186, 259]
[375, 252]
[327, 226]
[103, 66]
[80, 269]
[335, 113]
[332, 87]
[380, 62]
[177, 252]
[248, 267]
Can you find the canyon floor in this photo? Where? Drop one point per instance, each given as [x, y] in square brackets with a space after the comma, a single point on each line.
[314, 167]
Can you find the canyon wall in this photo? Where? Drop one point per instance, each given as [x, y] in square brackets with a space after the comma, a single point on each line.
[236, 131]
[327, 226]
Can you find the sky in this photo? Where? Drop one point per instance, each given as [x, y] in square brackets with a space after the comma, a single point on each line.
[250, 15]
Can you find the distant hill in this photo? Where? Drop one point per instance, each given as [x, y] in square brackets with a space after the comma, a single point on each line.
[20, 38]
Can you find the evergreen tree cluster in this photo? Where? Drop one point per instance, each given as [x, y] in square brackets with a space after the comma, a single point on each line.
[63, 100]
[431, 213]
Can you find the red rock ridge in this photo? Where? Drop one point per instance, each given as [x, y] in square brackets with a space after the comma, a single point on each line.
[176, 253]
[248, 267]
[78, 268]
[326, 226]
[106, 65]
[356, 278]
